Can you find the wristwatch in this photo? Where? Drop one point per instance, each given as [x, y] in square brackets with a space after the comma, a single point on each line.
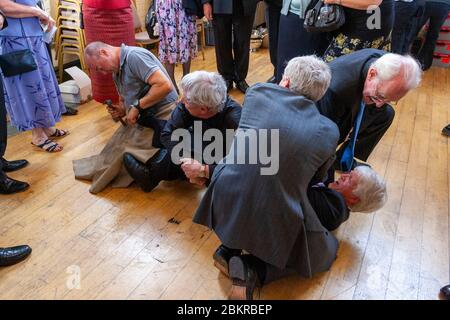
[136, 105]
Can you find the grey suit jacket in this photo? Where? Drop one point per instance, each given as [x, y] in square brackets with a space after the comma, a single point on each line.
[270, 216]
[226, 6]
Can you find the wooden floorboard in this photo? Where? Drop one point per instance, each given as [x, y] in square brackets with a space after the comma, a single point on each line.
[127, 244]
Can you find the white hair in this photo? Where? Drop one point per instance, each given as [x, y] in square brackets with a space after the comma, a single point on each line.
[207, 89]
[371, 190]
[393, 65]
[308, 76]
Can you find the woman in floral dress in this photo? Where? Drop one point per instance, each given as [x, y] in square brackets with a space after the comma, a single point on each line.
[177, 35]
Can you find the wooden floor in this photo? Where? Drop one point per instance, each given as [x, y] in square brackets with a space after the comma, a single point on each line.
[122, 245]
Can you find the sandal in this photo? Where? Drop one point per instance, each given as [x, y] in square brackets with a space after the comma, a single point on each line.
[59, 133]
[51, 146]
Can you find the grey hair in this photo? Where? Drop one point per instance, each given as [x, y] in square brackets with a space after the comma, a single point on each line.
[393, 65]
[371, 190]
[93, 48]
[207, 89]
[308, 76]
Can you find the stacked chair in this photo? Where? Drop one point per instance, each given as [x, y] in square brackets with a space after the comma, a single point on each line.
[70, 39]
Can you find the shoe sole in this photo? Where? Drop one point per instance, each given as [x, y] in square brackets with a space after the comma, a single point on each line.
[17, 191]
[222, 268]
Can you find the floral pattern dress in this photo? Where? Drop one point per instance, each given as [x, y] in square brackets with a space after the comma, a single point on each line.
[177, 32]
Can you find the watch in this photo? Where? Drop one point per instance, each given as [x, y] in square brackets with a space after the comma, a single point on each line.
[137, 105]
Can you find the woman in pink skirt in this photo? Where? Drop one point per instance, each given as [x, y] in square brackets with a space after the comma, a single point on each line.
[110, 22]
[178, 36]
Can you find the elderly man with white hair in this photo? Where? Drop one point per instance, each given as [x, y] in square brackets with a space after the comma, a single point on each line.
[269, 215]
[362, 85]
[205, 105]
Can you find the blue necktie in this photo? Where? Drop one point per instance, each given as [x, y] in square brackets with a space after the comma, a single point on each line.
[348, 154]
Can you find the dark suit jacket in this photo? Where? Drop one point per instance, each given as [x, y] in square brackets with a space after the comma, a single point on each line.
[342, 100]
[329, 206]
[180, 118]
[278, 3]
[226, 6]
[193, 7]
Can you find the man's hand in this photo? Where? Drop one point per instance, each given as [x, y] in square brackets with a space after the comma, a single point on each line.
[117, 111]
[208, 11]
[198, 181]
[192, 168]
[132, 116]
[2, 20]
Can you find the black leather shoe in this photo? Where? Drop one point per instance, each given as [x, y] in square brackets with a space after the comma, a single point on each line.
[272, 79]
[140, 172]
[10, 256]
[229, 84]
[9, 186]
[244, 276]
[9, 166]
[242, 85]
[445, 292]
[222, 256]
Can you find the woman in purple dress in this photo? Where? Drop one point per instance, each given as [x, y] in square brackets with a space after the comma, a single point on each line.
[178, 36]
[33, 99]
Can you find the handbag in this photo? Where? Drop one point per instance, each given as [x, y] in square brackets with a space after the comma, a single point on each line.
[151, 22]
[17, 62]
[322, 17]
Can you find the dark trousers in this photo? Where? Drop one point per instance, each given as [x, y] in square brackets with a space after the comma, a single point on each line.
[3, 128]
[296, 41]
[404, 25]
[273, 21]
[232, 42]
[437, 13]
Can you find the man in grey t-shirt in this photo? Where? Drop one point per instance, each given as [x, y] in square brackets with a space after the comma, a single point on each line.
[132, 69]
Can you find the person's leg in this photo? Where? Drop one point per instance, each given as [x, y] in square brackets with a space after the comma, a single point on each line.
[248, 272]
[170, 67]
[296, 41]
[411, 34]
[404, 12]
[3, 128]
[375, 123]
[186, 67]
[273, 21]
[40, 139]
[438, 14]
[242, 30]
[222, 25]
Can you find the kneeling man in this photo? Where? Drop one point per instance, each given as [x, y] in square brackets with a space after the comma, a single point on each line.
[267, 213]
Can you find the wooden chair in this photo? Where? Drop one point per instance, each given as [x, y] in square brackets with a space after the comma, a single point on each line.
[141, 36]
[201, 29]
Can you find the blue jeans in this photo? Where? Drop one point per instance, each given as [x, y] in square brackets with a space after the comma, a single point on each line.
[437, 13]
